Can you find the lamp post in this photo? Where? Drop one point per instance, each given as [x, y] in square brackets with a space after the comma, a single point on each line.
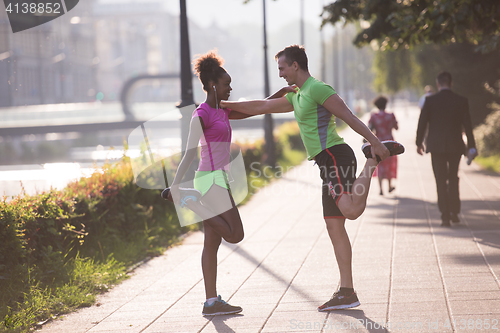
[186, 105]
[186, 77]
[302, 41]
[268, 119]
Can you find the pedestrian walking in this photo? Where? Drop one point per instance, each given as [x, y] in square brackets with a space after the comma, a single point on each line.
[446, 115]
[316, 105]
[382, 123]
[428, 91]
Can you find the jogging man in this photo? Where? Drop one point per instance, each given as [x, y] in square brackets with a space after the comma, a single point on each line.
[316, 105]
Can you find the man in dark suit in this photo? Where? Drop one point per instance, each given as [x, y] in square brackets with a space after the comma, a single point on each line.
[446, 114]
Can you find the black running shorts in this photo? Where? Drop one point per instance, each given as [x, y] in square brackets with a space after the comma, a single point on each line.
[337, 166]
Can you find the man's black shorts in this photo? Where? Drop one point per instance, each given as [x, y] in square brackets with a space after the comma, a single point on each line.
[337, 166]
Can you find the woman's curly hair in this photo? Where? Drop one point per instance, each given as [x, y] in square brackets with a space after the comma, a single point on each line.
[208, 67]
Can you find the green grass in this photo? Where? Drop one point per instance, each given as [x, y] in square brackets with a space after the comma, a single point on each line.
[87, 279]
[491, 163]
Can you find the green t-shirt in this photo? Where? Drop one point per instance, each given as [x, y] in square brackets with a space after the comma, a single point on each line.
[317, 125]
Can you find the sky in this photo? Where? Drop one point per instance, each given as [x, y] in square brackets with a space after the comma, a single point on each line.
[226, 13]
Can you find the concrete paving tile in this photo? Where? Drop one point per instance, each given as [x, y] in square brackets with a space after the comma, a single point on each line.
[247, 298]
[477, 323]
[295, 296]
[373, 286]
[459, 269]
[193, 317]
[64, 327]
[141, 315]
[170, 324]
[371, 328]
[411, 295]
[354, 320]
[475, 307]
[171, 328]
[373, 310]
[369, 298]
[424, 288]
[402, 309]
[466, 295]
[453, 285]
[473, 277]
[231, 329]
[297, 316]
[120, 326]
[421, 322]
[298, 306]
[411, 279]
[287, 324]
[140, 305]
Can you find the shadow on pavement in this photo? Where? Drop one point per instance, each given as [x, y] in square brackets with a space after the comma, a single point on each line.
[240, 251]
[478, 213]
[221, 326]
[485, 172]
[477, 259]
[359, 321]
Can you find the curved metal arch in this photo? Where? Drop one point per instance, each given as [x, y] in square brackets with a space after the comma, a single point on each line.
[130, 83]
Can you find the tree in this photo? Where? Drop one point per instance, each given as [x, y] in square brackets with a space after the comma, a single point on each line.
[396, 70]
[406, 23]
[460, 36]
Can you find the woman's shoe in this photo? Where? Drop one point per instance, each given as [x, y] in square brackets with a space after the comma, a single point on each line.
[220, 307]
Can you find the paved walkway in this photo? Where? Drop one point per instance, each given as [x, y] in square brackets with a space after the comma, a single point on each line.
[411, 275]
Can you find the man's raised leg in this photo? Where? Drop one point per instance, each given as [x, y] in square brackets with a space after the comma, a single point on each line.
[353, 205]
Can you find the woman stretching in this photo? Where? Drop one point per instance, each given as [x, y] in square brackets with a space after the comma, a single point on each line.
[211, 199]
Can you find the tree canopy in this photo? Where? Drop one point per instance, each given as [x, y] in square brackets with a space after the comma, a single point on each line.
[406, 23]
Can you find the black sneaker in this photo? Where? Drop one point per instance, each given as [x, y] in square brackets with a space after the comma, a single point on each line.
[219, 307]
[339, 301]
[186, 194]
[395, 148]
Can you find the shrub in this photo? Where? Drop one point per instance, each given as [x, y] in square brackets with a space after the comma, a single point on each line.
[104, 219]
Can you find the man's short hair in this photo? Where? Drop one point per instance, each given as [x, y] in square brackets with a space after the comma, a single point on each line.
[294, 53]
[444, 79]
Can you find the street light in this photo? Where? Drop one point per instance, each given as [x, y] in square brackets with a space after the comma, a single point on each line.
[186, 89]
[268, 119]
[302, 22]
[186, 76]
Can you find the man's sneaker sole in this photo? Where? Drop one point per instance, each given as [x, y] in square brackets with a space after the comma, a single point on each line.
[220, 308]
[222, 313]
[395, 148]
[340, 307]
